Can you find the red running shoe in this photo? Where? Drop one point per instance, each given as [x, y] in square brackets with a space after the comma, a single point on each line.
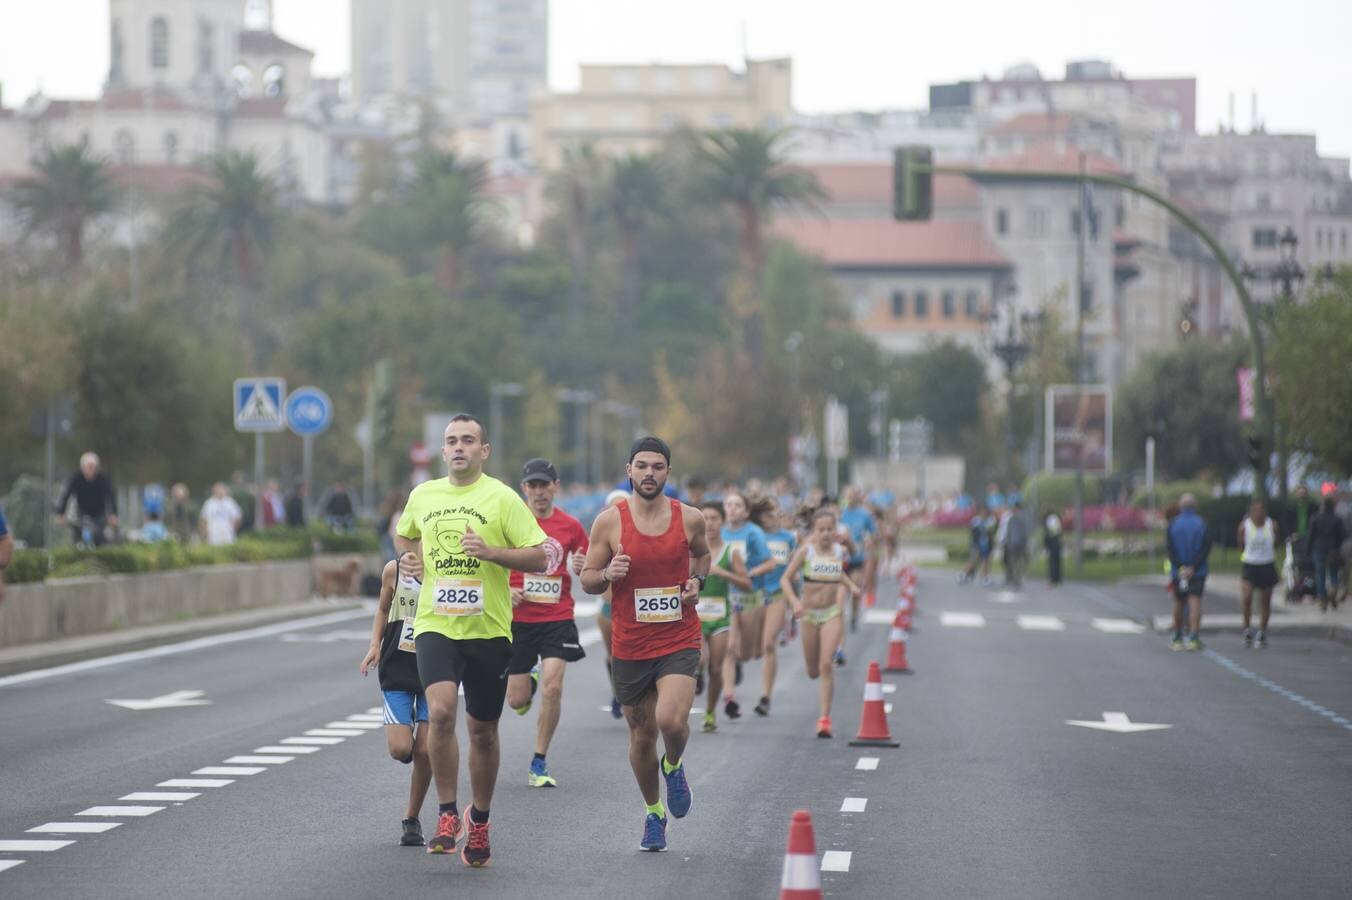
[449, 830]
[475, 852]
[824, 727]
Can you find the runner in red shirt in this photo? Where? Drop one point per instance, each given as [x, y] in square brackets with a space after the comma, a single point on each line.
[544, 633]
[651, 552]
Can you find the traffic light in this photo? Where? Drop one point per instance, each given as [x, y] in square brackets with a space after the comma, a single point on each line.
[912, 183]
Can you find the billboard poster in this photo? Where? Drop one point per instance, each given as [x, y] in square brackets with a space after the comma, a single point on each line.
[1079, 421]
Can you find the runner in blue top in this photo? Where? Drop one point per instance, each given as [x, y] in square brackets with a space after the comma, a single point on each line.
[782, 542]
[748, 619]
[863, 532]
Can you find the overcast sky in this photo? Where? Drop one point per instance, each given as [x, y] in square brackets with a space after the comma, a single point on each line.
[848, 54]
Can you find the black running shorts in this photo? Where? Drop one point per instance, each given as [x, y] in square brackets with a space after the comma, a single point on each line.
[1261, 575]
[480, 666]
[534, 641]
[634, 678]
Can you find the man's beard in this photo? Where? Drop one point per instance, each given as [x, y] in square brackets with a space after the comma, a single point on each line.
[648, 492]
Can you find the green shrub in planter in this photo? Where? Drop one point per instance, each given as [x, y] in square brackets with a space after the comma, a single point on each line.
[352, 542]
[27, 566]
[1170, 492]
[1058, 491]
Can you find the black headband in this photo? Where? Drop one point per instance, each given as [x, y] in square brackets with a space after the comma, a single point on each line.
[650, 444]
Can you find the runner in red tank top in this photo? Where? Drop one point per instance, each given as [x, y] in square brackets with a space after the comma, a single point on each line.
[652, 553]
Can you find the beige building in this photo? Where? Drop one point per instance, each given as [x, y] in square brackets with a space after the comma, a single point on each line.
[629, 108]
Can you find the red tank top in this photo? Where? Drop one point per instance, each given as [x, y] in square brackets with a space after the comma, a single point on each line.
[658, 567]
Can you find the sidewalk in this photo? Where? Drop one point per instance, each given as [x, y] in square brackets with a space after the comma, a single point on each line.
[1220, 611]
[68, 650]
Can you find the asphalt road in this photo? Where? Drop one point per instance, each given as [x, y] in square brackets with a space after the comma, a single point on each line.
[1249, 793]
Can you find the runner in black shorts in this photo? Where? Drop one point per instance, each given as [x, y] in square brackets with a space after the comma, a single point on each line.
[543, 629]
[460, 535]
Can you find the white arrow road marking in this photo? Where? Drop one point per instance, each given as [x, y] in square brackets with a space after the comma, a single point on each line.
[1119, 723]
[108, 811]
[75, 828]
[36, 846]
[1118, 626]
[836, 861]
[962, 620]
[7, 864]
[165, 701]
[160, 796]
[854, 804]
[1041, 623]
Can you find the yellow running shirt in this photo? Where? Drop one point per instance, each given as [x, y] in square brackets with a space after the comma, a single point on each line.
[461, 597]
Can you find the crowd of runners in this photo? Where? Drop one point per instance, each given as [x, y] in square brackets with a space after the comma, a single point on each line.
[478, 613]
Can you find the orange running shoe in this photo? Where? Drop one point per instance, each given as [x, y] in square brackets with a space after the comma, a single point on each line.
[449, 830]
[824, 727]
[475, 852]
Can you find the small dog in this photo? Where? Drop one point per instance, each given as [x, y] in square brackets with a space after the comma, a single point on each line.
[337, 577]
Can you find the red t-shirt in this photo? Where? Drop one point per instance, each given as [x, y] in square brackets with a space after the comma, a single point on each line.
[549, 596]
[646, 615]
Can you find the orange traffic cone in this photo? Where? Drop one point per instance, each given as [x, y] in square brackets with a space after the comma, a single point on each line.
[801, 879]
[873, 725]
[896, 645]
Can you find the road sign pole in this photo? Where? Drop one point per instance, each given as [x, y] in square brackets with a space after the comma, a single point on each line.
[307, 469]
[258, 480]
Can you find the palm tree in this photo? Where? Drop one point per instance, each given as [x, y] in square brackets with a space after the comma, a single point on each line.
[71, 188]
[575, 190]
[745, 169]
[635, 193]
[234, 213]
[446, 201]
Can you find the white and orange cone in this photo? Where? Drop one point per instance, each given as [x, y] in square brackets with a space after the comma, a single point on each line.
[873, 731]
[802, 878]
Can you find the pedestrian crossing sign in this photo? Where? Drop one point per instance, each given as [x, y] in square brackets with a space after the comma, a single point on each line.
[258, 404]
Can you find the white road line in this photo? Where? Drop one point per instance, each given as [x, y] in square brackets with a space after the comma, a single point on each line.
[291, 749]
[7, 864]
[962, 620]
[374, 711]
[163, 796]
[365, 726]
[312, 741]
[35, 846]
[196, 782]
[879, 617]
[367, 717]
[109, 811]
[214, 640]
[229, 770]
[836, 861]
[854, 804]
[866, 763]
[1041, 623]
[334, 732]
[74, 828]
[889, 688]
[258, 760]
[1118, 626]
[887, 708]
[1005, 597]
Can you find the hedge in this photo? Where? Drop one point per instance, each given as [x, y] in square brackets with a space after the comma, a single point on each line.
[129, 559]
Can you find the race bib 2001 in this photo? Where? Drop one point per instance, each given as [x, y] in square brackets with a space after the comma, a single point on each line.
[543, 588]
[657, 605]
[458, 597]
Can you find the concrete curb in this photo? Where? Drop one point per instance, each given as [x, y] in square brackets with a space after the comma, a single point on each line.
[68, 650]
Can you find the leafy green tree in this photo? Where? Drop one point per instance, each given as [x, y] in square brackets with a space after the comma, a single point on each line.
[576, 192]
[1314, 378]
[1188, 399]
[69, 189]
[232, 217]
[635, 194]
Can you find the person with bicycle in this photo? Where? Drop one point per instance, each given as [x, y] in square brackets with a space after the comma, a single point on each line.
[95, 502]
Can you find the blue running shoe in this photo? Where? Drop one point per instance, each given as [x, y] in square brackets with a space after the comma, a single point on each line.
[679, 795]
[539, 775]
[654, 834]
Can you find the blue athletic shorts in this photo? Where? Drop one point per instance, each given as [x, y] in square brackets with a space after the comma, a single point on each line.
[404, 707]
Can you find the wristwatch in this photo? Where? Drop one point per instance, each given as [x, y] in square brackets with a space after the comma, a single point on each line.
[700, 579]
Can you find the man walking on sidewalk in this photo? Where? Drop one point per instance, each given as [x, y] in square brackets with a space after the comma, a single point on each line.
[1258, 541]
[1189, 546]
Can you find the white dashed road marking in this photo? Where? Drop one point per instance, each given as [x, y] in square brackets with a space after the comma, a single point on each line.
[962, 620]
[854, 804]
[196, 782]
[879, 617]
[160, 796]
[313, 741]
[889, 688]
[836, 861]
[1041, 623]
[259, 760]
[292, 749]
[335, 732]
[229, 770]
[33, 846]
[112, 811]
[1005, 597]
[362, 725]
[866, 763]
[74, 828]
[1118, 626]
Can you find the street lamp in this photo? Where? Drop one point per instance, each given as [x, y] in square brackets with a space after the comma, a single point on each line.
[1012, 349]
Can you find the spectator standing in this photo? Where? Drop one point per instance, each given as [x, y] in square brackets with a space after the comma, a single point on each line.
[295, 505]
[1189, 546]
[6, 551]
[1017, 535]
[338, 508]
[221, 517]
[153, 531]
[94, 500]
[1051, 540]
[1326, 549]
[180, 520]
[273, 504]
